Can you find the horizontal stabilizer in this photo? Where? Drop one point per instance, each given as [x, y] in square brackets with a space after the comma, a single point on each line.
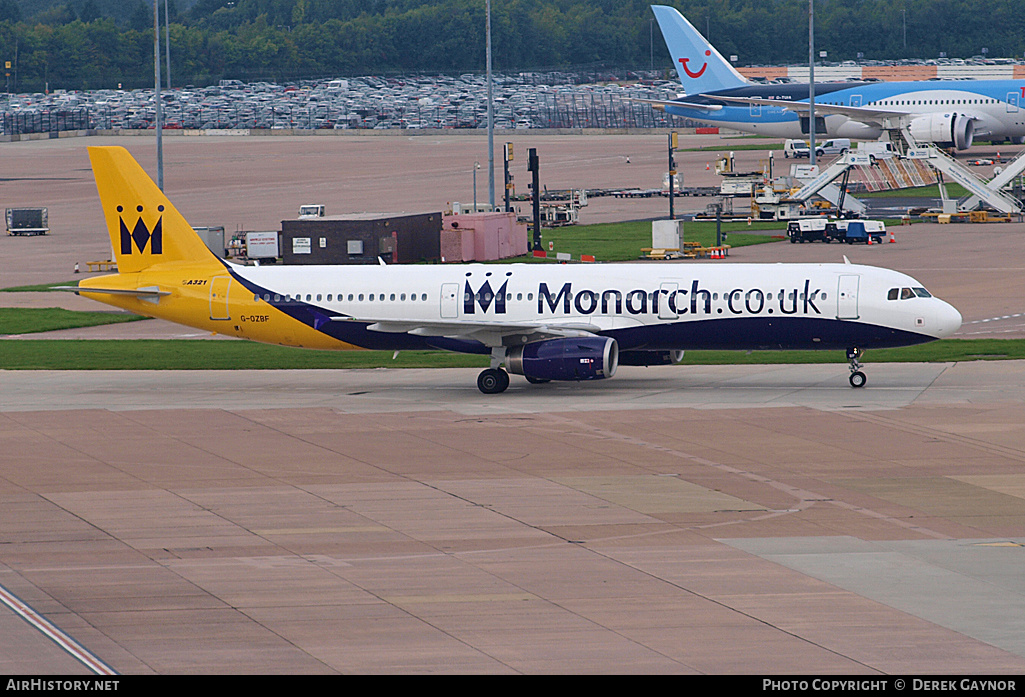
[150, 292]
[662, 104]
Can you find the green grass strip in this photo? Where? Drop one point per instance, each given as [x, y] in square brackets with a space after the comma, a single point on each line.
[954, 191]
[943, 351]
[731, 147]
[37, 288]
[29, 320]
[609, 242]
[145, 354]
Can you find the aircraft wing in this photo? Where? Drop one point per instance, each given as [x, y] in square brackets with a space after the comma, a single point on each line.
[490, 333]
[867, 115]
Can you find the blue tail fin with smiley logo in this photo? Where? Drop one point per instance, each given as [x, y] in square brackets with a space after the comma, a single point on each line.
[701, 68]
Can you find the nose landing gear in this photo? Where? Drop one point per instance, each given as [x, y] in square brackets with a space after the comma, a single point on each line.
[857, 378]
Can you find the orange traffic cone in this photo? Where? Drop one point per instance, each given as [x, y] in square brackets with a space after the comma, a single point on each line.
[870, 239]
[707, 167]
[892, 238]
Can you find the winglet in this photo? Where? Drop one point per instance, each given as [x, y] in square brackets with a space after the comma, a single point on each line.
[701, 68]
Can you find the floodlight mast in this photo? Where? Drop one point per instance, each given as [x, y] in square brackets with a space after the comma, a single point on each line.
[159, 125]
[491, 115]
[811, 80]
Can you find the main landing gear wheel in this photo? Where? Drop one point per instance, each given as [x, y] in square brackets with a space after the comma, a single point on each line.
[493, 381]
[857, 378]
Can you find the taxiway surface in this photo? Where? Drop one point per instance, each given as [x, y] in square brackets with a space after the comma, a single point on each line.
[699, 520]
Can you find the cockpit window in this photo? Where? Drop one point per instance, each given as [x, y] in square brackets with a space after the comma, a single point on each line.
[907, 293]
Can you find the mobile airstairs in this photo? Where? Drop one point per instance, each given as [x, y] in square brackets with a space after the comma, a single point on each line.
[979, 191]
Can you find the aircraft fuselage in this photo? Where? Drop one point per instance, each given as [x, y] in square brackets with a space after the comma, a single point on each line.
[998, 106]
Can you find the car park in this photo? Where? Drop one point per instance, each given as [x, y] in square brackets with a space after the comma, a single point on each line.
[522, 101]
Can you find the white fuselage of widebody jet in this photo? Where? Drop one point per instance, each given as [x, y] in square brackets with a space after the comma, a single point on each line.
[477, 307]
[996, 108]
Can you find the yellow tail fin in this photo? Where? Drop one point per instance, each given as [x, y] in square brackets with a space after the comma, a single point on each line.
[145, 229]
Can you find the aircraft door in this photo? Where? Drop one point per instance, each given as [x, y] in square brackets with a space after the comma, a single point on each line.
[756, 111]
[219, 289]
[847, 297]
[1012, 102]
[449, 300]
[667, 303]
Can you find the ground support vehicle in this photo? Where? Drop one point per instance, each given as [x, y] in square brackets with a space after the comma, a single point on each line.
[811, 230]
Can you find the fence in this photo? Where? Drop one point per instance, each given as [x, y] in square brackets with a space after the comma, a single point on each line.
[555, 110]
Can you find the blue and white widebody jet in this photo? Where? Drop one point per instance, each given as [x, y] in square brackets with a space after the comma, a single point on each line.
[544, 322]
[944, 112]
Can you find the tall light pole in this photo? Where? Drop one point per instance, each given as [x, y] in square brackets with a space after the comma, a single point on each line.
[167, 42]
[491, 116]
[811, 80]
[904, 25]
[156, 90]
[476, 166]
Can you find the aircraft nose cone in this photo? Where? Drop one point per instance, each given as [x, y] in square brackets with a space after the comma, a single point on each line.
[948, 320]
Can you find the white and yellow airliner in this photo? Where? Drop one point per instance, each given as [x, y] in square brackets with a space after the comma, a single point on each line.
[545, 322]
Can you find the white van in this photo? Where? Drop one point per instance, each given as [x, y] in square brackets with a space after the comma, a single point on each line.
[877, 150]
[796, 148]
[835, 146]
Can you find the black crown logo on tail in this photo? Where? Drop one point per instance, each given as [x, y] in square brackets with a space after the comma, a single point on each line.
[141, 235]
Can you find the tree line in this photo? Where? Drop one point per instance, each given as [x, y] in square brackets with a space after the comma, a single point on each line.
[90, 44]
